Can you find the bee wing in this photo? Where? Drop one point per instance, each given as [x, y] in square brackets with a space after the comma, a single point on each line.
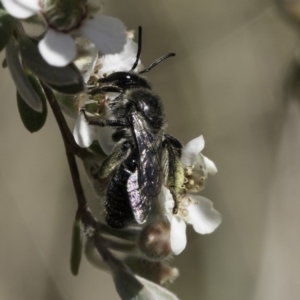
[149, 174]
[136, 203]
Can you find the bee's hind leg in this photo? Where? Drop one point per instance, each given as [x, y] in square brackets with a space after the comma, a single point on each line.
[175, 177]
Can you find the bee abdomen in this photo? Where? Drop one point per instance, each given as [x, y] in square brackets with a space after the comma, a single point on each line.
[118, 210]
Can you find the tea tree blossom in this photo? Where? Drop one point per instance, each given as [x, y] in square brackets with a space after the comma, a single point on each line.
[98, 46]
[100, 42]
[193, 209]
[58, 46]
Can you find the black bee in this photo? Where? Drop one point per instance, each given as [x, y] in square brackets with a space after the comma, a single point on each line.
[144, 157]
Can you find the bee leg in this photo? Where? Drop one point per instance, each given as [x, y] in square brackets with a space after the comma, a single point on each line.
[106, 89]
[175, 143]
[175, 176]
[105, 123]
[113, 161]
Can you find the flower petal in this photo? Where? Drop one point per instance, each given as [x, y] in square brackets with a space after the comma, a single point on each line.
[201, 214]
[86, 59]
[84, 134]
[122, 61]
[57, 48]
[191, 150]
[210, 166]
[166, 200]
[178, 234]
[107, 33]
[103, 135]
[21, 9]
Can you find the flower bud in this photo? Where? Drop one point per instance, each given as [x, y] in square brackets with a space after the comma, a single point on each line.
[154, 241]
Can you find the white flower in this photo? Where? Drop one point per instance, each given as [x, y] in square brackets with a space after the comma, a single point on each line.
[193, 209]
[21, 9]
[86, 58]
[85, 134]
[58, 47]
[196, 166]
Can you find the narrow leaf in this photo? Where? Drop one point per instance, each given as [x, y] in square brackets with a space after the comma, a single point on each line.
[68, 104]
[6, 27]
[76, 249]
[66, 79]
[22, 83]
[33, 120]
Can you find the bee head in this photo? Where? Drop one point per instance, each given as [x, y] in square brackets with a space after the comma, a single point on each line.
[124, 80]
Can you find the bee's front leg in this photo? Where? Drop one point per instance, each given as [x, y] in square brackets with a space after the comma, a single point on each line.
[105, 122]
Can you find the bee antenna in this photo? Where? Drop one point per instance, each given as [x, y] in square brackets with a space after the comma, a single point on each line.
[157, 62]
[139, 49]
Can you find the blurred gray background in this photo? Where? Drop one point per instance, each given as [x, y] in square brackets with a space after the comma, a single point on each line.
[226, 83]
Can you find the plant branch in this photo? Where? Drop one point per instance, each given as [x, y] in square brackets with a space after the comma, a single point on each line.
[83, 211]
[63, 126]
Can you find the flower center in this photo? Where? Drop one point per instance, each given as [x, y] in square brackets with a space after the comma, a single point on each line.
[66, 15]
[193, 182]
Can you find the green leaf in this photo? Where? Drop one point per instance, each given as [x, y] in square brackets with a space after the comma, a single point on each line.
[68, 104]
[66, 79]
[33, 120]
[7, 23]
[76, 249]
[22, 82]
